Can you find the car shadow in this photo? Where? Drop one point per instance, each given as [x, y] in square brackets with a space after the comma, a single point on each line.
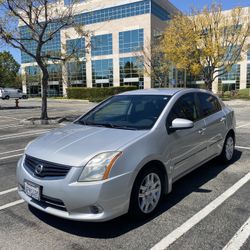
[116, 227]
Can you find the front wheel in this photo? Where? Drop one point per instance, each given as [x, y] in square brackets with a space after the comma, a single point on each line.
[147, 193]
[228, 149]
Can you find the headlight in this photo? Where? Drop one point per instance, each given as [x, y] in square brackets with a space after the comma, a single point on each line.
[98, 168]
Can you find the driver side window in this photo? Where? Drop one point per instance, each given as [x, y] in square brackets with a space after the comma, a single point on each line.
[185, 107]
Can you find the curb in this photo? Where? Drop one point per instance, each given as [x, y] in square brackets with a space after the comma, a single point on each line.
[37, 121]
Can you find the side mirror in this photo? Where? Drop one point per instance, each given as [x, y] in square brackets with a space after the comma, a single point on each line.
[179, 124]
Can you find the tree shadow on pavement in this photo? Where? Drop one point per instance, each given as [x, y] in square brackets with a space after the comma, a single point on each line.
[111, 229]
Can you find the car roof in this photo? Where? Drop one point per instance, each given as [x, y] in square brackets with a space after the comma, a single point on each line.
[163, 91]
[160, 91]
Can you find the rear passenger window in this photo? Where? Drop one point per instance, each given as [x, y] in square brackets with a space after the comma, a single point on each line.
[184, 108]
[209, 104]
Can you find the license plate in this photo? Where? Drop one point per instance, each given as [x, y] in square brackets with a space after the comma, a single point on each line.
[33, 190]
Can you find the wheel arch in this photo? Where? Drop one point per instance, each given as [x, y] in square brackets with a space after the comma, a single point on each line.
[158, 164]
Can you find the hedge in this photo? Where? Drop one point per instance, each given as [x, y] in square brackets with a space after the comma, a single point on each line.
[95, 94]
[239, 94]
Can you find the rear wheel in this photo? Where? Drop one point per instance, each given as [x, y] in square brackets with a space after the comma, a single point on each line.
[228, 148]
[7, 97]
[147, 193]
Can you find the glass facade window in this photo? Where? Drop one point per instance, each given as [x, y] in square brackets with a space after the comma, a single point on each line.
[159, 12]
[132, 71]
[130, 41]
[76, 74]
[52, 47]
[122, 11]
[33, 80]
[102, 73]
[76, 47]
[231, 79]
[248, 75]
[55, 87]
[101, 45]
[248, 54]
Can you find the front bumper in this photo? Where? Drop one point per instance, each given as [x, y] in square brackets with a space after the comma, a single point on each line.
[76, 200]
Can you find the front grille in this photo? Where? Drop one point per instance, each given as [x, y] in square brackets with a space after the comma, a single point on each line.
[41, 168]
[52, 202]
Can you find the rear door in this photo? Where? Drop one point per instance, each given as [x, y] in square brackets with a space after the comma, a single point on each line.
[215, 121]
[188, 147]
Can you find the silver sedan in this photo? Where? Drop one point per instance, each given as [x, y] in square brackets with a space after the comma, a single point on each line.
[125, 154]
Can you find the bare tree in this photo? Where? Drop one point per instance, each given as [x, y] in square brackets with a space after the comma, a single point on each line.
[155, 63]
[30, 25]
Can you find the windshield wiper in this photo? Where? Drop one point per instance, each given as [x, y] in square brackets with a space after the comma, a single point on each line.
[83, 122]
[123, 127]
[107, 125]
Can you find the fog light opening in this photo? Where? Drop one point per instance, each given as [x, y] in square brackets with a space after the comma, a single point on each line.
[95, 209]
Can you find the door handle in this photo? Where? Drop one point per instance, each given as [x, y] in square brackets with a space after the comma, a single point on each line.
[201, 131]
[223, 119]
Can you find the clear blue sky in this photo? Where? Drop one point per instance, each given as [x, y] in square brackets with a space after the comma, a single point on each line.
[183, 5]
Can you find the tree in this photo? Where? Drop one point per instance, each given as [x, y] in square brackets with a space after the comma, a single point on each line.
[156, 64]
[207, 43]
[8, 70]
[31, 25]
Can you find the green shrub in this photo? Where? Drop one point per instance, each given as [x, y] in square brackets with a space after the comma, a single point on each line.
[244, 93]
[227, 93]
[95, 94]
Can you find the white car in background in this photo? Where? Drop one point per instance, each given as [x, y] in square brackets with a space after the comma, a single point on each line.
[7, 93]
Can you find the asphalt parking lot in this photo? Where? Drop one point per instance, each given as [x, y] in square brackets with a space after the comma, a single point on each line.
[207, 209]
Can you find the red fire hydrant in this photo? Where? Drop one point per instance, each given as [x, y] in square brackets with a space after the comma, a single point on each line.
[17, 103]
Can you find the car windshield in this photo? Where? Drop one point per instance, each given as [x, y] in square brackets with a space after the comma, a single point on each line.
[134, 112]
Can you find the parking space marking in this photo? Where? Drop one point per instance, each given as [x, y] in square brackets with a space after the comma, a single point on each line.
[8, 117]
[8, 191]
[11, 126]
[239, 238]
[12, 151]
[11, 204]
[245, 125]
[27, 132]
[195, 219]
[11, 156]
[240, 147]
[23, 135]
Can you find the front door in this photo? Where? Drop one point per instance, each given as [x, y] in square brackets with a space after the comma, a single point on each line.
[188, 147]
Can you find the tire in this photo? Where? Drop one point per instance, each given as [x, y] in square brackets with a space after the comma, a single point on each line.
[7, 97]
[144, 202]
[227, 153]
[24, 97]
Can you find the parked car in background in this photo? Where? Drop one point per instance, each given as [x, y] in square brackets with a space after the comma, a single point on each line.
[125, 154]
[7, 93]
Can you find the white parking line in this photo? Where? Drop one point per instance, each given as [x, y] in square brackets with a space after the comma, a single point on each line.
[11, 156]
[8, 152]
[239, 238]
[11, 204]
[8, 117]
[11, 126]
[23, 135]
[243, 147]
[8, 191]
[245, 125]
[186, 226]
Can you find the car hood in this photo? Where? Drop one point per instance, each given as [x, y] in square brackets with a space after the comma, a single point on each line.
[75, 144]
